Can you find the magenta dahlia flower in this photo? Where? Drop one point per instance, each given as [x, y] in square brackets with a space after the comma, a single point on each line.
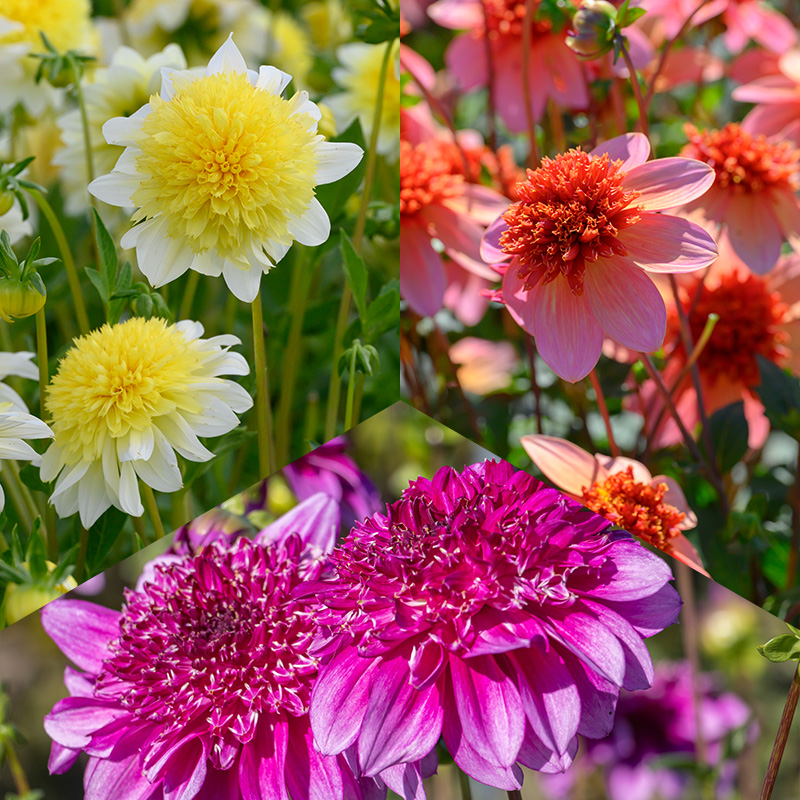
[488, 609]
[200, 687]
[580, 242]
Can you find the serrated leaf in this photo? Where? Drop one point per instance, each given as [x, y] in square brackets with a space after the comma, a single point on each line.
[355, 271]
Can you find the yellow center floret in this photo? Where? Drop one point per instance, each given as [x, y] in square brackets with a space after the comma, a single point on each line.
[65, 23]
[224, 163]
[118, 379]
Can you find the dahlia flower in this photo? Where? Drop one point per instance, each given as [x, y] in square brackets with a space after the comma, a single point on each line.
[758, 315]
[651, 726]
[581, 239]
[222, 171]
[491, 610]
[555, 72]
[483, 366]
[623, 491]
[755, 187]
[13, 223]
[199, 687]
[124, 400]
[777, 99]
[117, 90]
[18, 364]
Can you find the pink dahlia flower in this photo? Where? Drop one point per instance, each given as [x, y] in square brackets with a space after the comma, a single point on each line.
[555, 72]
[777, 99]
[484, 366]
[488, 609]
[199, 687]
[755, 186]
[623, 491]
[581, 239]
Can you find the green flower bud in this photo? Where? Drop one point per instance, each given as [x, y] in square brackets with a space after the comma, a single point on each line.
[6, 201]
[20, 298]
[22, 599]
[593, 29]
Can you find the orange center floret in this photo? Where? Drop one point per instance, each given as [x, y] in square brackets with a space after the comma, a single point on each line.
[427, 175]
[570, 212]
[742, 162]
[749, 325]
[505, 18]
[635, 507]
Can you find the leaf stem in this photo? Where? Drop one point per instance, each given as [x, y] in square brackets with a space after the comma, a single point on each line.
[351, 391]
[637, 90]
[80, 563]
[189, 291]
[152, 510]
[781, 737]
[603, 408]
[20, 779]
[527, 34]
[263, 408]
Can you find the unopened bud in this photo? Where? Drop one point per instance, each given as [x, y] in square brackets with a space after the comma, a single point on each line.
[593, 28]
[19, 299]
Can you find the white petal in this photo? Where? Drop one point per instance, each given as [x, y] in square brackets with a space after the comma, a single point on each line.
[116, 188]
[216, 418]
[207, 263]
[51, 463]
[314, 227]
[93, 497]
[161, 471]
[69, 477]
[18, 425]
[130, 237]
[337, 159]
[276, 251]
[227, 59]
[243, 283]
[161, 258]
[16, 448]
[111, 469]
[8, 395]
[129, 491]
[190, 329]
[138, 444]
[182, 438]
[18, 364]
[125, 131]
[2, 498]
[272, 80]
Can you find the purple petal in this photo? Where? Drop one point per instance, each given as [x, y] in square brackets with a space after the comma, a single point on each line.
[501, 631]
[404, 780]
[661, 610]
[309, 775]
[121, 777]
[82, 630]
[187, 769]
[632, 148]
[669, 182]
[78, 684]
[426, 664]
[640, 573]
[491, 251]
[316, 520]
[534, 755]
[598, 700]
[262, 765]
[663, 243]
[489, 707]
[62, 758]
[73, 720]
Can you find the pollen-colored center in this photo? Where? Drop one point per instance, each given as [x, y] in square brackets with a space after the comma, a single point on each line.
[635, 507]
[118, 379]
[743, 162]
[749, 323]
[428, 174]
[570, 213]
[506, 19]
[225, 163]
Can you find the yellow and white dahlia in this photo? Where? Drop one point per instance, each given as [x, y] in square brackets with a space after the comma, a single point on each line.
[359, 77]
[18, 364]
[222, 171]
[127, 398]
[117, 90]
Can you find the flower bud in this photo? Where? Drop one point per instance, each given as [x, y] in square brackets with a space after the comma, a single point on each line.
[6, 201]
[593, 28]
[19, 299]
[23, 599]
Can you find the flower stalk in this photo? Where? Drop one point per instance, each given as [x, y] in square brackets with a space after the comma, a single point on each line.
[151, 505]
[263, 409]
[781, 737]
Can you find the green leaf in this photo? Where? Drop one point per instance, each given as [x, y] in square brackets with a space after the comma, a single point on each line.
[780, 394]
[102, 537]
[382, 30]
[36, 555]
[99, 283]
[355, 271]
[631, 15]
[108, 253]
[383, 313]
[29, 475]
[785, 647]
[333, 196]
[729, 433]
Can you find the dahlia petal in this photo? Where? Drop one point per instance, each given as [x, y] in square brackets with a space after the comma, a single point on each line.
[479, 203]
[684, 551]
[16, 448]
[426, 664]
[336, 159]
[243, 283]
[767, 89]
[115, 188]
[161, 471]
[422, 277]
[489, 707]
[598, 700]
[125, 131]
[401, 723]
[568, 336]
[465, 58]
[786, 210]
[181, 437]
[339, 700]
[620, 464]
[568, 466]
[93, 496]
[78, 683]
[404, 780]
[499, 632]
[82, 631]
[635, 317]
[675, 497]
[535, 755]
[314, 227]
[669, 182]
[632, 148]
[161, 258]
[772, 30]
[262, 765]
[491, 251]
[518, 300]
[227, 59]
[207, 263]
[311, 776]
[73, 720]
[315, 520]
[137, 444]
[456, 15]
[748, 213]
[640, 573]
[121, 777]
[62, 758]
[129, 497]
[663, 243]
[187, 769]
[508, 97]
[272, 80]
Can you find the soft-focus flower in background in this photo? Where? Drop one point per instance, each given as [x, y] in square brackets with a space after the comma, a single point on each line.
[118, 90]
[653, 725]
[483, 366]
[199, 688]
[222, 170]
[623, 491]
[125, 399]
[491, 610]
[581, 239]
[288, 45]
[13, 224]
[18, 364]
[328, 23]
[755, 186]
[358, 78]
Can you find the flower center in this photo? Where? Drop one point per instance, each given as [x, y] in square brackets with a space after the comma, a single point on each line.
[428, 174]
[749, 324]
[215, 642]
[117, 379]
[225, 163]
[635, 507]
[570, 212]
[64, 22]
[506, 18]
[742, 162]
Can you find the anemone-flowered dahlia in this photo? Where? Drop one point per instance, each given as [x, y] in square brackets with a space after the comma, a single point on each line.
[199, 687]
[586, 230]
[487, 608]
[222, 170]
[124, 400]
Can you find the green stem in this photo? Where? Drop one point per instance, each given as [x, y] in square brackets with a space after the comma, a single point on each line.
[781, 737]
[334, 388]
[263, 410]
[66, 258]
[514, 794]
[152, 510]
[80, 564]
[27, 497]
[351, 392]
[11, 484]
[41, 350]
[138, 526]
[189, 291]
[466, 789]
[20, 779]
[359, 396]
[637, 90]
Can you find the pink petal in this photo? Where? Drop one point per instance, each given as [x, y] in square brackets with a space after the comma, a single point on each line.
[466, 61]
[518, 300]
[310, 776]
[568, 336]
[786, 209]
[315, 520]
[772, 120]
[640, 574]
[562, 73]
[769, 89]
[422, 278]
[632, 148]
[456, 14]
[464, 295]
[73, 720]
[620, 464]
[626, 304]
[669, 182]
[774, 31]
[598, 700]
[683, 550]
[120, 777]
[187, 770]
[404, 780]
[758, 426]
[508, 95]
[490, 245]
[262, 764]
[663, 243]
[568, 466]
[746, 215]
[480, 203]
[675, 497]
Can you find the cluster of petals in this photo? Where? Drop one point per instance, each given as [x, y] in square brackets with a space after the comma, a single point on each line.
[580, 247]
[488, 609]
